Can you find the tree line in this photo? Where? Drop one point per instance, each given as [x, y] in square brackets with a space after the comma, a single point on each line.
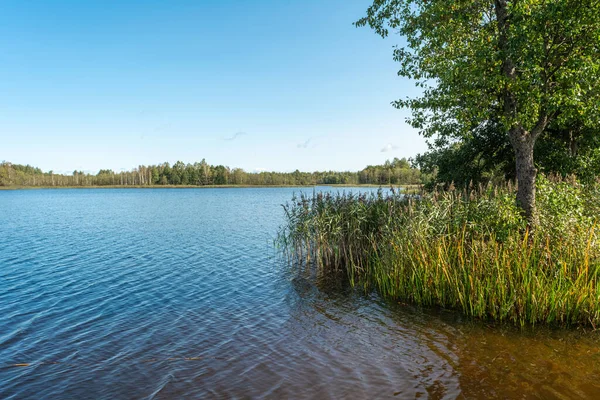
[395, 172]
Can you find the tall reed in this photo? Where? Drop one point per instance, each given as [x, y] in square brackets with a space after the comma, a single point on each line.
[468, 250]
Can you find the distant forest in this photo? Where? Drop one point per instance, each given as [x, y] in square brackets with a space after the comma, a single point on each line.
[395, 172]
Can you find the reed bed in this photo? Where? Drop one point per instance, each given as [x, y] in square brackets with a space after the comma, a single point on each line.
[467, 250]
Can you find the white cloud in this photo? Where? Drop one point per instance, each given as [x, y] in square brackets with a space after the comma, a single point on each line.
[236, 135]
[389, 147]
[304, 145]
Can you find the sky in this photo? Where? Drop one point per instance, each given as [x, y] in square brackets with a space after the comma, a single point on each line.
[260, 85]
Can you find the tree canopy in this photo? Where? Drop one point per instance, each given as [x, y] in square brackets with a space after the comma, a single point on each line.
[522, 64]
[486, 155]
[395, 172]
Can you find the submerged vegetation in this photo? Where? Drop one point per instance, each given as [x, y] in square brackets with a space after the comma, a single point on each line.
[468, 250]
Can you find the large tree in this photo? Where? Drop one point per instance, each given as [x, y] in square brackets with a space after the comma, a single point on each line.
[530, 61]
[487, 154]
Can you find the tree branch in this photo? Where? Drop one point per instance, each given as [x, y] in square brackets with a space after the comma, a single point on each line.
[541, 124]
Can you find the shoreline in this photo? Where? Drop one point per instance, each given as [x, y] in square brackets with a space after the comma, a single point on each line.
[405, 187]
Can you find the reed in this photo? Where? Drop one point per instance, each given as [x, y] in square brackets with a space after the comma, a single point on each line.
[467, 250]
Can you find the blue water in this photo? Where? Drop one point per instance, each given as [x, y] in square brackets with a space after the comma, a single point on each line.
[171, 293]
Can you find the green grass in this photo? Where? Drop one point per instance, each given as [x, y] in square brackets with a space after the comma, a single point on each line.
[466, 250]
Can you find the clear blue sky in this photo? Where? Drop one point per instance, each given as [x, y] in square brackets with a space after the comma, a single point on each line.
[263, 84]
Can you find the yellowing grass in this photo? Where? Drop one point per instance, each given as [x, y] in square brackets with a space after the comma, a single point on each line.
[466, 250]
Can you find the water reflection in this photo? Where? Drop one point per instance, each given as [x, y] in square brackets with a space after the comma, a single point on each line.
[166, 294]
[369, 349]
[437, 354]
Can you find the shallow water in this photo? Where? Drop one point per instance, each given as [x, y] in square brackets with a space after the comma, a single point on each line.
[170, 293]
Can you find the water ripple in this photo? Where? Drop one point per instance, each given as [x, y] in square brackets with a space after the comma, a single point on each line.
[164, 294]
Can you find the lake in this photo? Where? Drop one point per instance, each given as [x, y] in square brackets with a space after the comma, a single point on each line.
[173, 293]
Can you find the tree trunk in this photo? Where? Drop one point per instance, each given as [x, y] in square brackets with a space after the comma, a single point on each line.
[523, 143]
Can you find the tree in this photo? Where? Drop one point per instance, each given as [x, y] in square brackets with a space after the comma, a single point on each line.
[484, 155]
[394, 172]
[487, 155]
[166, 173]
[205, 173]
[155, 176]
[526, 63]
